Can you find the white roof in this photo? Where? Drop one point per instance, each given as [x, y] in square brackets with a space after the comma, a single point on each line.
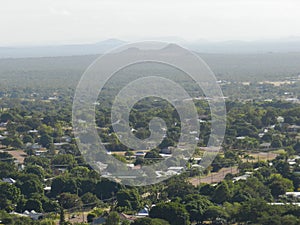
[240, 138]
[47, 188]
[175, 168]
[8, 180]
[294, 193]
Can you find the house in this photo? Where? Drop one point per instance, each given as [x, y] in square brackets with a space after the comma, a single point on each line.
[177, 169]
[240, 138]
[295, 194]
[197, 160]
[243, 177]
[9, 180]
[42, 152]
[20, 166]
[32, 214]
[293, 128]
[143, 212]
[47, 189]
[197, 166]
[60, 144]
[99, 220]
[36, 146]
[124, 216]
[2, 137]
[52, 98]
[167, 150]
[61, 170]
[202, 121]
[293, 100]
[33, 131]
[66, 138]
[2, 124]
[292, 162]
[140, 154]
[284, 203]
[265, 145]
[165, 155]
[165, 173]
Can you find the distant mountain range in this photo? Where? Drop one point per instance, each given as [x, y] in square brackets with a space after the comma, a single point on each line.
[60, 50]
[225, 47]
[287, 45]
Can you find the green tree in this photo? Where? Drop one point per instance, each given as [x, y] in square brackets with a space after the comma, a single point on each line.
[6, 117]
[214, 212]
[91, 217]
[7, 169]
[113, 218]
[80, 171]
[9, 196]
[39, 161]
[7, 141]
[27, 139]
[46, 140]
[232, 210]
[64, 159]
[252, 210]
[106, 189]
[196, 205]
[126, 222]
[289, 220]
[179, 187]
[63, 184]
[49, 205]
[37, 170]
[276, 143]
[86, 185]
[282, 167]
[90, 199]
[129, 198]
[150, 221]
[173, 212]
[251, 188]
[68, 201]
[222, 193]
[31, 186]
[297, 147]
[279, 185]
[6, 157]
[270, 219]
[34, 204]
[17, 142]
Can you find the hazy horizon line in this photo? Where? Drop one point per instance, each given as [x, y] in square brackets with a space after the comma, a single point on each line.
[171, 39]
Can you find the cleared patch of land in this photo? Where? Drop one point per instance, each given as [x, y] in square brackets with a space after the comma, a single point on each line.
[19, 155]
[261, 156]
[214, 177]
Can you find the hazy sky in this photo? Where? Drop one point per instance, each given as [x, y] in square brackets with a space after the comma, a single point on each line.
[74, 21]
